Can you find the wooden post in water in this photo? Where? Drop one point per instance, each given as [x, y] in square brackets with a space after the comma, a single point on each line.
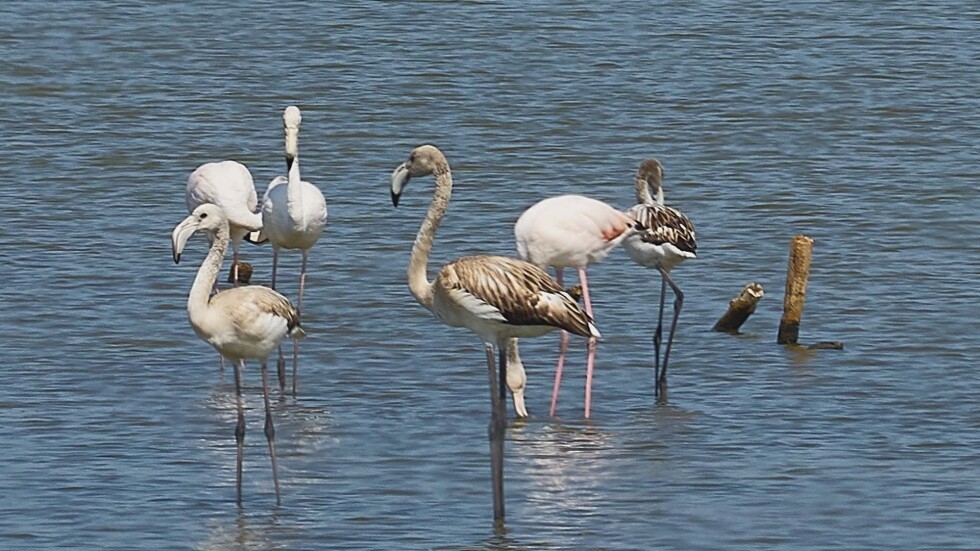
[797, 274]
[740, 308]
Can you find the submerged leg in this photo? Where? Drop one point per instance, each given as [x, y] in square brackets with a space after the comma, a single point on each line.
[299, 311]
[562, 349]
[678, 302]
[658, 338]
[239, 431]
[270, 430]
[496, 432]
[590, 363]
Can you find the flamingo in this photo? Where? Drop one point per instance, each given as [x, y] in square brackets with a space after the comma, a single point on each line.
[227, 184]
[294, 213]
[571, 231]
[666, 240]
[241, 323]
[496, 297]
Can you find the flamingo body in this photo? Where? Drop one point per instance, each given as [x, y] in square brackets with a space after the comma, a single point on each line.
[569, 231]
[498, 297]
[297, 225]
[227, 184]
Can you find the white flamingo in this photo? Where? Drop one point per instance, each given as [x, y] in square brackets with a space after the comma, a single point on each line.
[294, 213]
[227, 184]
[241, 323]
[496, 297]
[571, 231]
[666, 240]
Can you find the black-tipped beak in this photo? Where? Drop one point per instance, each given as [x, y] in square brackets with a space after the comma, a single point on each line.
[181, 234]
[290, 159]
[399, 179]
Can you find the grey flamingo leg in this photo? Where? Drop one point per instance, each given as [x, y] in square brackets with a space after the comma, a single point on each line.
[658, 338]
[496, 432]
[299, 310]
[239, 431]
[678, 303]
[270, 430]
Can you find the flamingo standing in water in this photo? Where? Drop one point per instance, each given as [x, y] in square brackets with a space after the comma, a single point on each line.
[496, 297]
[241, 323]
[666, 240]
[571, 231]
[294, 213]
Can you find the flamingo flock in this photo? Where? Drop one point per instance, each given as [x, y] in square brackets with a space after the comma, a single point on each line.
[498, 298]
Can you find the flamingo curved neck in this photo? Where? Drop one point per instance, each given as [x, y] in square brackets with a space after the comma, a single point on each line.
[649, 193]
[207, 275]
[418, 281]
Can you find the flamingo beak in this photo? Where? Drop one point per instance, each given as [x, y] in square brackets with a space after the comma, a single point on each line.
[180, 235]
[399, 179]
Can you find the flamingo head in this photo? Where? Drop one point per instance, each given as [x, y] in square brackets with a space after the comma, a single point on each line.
[207, 217]
[424, 160]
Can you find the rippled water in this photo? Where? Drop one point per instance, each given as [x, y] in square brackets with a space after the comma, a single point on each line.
[854, 124]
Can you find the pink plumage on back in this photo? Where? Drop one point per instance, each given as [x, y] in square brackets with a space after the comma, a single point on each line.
[569, 231]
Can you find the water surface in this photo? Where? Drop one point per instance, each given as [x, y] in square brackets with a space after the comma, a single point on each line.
[853, 124]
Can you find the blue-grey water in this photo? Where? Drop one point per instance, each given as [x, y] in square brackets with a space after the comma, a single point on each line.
[853, 123]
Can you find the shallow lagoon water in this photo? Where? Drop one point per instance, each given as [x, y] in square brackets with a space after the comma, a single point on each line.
[852, 124]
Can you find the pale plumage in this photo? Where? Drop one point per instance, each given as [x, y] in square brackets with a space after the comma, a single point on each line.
[666, 240]
[240, 323]
[294, 213]
[571, 231]
[498, 298]
[227, 184]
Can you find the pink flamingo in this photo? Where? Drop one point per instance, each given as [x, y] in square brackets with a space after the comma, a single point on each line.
[571, 231]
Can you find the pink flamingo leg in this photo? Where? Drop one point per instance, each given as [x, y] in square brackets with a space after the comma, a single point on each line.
[562, 348]
[583, 279]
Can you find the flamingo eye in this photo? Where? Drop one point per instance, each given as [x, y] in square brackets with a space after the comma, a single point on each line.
[204, 215]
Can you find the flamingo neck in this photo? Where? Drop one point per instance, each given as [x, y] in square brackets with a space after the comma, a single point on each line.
[418, 280]
[294, 191]
[207, 275]
[643, 192]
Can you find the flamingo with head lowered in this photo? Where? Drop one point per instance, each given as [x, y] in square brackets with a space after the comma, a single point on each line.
[571, 231]
[666, 240]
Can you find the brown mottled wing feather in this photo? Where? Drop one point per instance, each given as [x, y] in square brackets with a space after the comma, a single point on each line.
[523, 293]
[665, 225]
[253, 301]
